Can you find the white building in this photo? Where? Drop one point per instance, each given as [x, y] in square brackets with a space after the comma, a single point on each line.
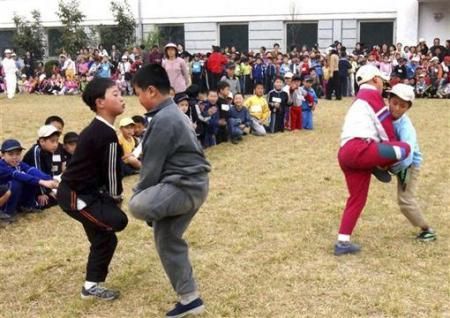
[251, 24]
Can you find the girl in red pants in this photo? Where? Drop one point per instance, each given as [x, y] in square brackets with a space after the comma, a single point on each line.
[367, 142]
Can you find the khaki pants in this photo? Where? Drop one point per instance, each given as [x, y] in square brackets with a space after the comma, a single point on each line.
[407, 199]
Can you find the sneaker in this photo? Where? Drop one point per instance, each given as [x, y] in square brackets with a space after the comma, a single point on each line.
[99, 292]
[7, 218]
[195, 307]
[426, 236]
[382, 175]
[24, 209]
[342, 248]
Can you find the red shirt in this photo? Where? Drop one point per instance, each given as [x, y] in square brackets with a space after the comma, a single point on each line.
[215, 63]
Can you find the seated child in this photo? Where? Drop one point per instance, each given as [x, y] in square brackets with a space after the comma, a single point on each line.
[240, 120]
[40, 156]
[408, 170]
[259, 110]
[309, 103]
[131, 164]
[140, 125]
[22, 181]
[70, 144]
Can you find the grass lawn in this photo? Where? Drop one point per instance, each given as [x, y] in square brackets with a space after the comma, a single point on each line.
[261, 246]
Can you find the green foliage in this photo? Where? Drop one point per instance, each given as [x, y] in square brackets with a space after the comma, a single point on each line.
[153, 38]
[124, 33]
[28, 35]
[74, 37]
[48, 67]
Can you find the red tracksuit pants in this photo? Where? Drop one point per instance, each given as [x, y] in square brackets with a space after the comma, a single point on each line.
[357, 158]
[295, 116]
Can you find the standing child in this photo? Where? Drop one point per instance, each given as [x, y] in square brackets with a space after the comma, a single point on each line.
[367, 141]
[231, 79]
[309, 103]
[40, 156]
[91, 187]
[258, 72]
[278, 100]
[173, 183]
[408, 170]
[22, 181]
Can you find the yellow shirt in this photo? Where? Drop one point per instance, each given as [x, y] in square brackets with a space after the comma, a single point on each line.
[258, 107]
[127, 145]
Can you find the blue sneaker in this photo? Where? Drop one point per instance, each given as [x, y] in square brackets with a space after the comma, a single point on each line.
[195, 307]
[342, 248]
[382, 175]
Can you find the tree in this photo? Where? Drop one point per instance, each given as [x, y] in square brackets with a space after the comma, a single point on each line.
[28, 35]
[124, 32]
[73, 37]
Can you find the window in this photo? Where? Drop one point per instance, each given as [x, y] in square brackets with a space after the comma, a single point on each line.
[54, 42]
[234, 35]
[171, 33]
[299, 34]
[6, 40]
[376, 33]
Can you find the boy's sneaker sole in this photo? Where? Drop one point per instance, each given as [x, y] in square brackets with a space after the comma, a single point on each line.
[194, 311]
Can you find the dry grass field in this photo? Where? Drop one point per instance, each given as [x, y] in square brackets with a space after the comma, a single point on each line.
[261, 246]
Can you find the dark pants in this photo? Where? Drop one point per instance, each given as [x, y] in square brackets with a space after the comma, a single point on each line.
[214, 78]
[344, 86]
[334, 85]
[101, 218]
[22, 195]
[197, 78]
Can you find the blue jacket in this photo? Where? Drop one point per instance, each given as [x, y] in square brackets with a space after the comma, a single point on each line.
[258, 73]
[317, 66]
[242, 114]
[406, 132]
[22, 173]
[310, 91]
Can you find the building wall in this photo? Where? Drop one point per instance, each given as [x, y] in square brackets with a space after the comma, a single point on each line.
[429, 27]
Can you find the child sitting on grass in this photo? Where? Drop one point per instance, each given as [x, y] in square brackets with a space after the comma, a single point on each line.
[21, 180]
[131, 164]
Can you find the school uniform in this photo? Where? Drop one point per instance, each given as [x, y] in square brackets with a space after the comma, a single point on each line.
[23, 182]
[269, 77]
[173, 185]
[295, 110]
[222, 134]
[43, 161]
[277, 115]
[90, 190]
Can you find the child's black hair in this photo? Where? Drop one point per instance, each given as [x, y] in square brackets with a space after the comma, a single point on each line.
[222, 85]
[258, 84]
[278, 77]
[96, 89]
[212, 91]
[152, 75]
[138, 120]
[54, 118]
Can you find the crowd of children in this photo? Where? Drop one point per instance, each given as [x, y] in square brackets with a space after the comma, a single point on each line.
[332, 70]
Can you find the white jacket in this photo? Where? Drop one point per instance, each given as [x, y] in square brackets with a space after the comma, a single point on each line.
[362, 122]
[9, 67]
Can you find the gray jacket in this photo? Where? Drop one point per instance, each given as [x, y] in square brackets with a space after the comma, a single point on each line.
[171, 151]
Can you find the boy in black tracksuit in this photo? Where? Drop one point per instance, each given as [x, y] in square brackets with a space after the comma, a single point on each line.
[278, 102]
[91, 186]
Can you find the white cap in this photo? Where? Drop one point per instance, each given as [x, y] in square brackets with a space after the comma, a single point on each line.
[168, 45]
[434, 58]
[124, 57]
[403, 91]
[47, 130]
[288, 75]
[421, 40]
[367, 72]
[8, 51]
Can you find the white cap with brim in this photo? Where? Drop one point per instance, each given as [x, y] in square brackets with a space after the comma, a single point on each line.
[47, 131]
[288, 75]
[124, 122]
[169, 45]
[403, 91]
[368, 72]
[8, 51]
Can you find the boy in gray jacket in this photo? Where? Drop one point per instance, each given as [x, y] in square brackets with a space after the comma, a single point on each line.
[173, 183]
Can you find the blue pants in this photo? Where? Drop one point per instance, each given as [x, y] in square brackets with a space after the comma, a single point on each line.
[22, 195]
[233, 126]
[307, 119]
